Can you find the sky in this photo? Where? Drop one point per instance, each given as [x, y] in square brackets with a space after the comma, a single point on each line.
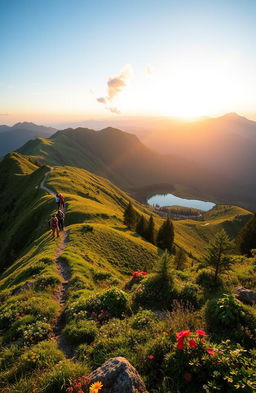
[81, 59]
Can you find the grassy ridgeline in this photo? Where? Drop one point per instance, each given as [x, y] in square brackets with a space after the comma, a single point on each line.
[101, 254]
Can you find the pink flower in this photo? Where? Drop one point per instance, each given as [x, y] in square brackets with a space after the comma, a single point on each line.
[192, 343]
[201, 333]
[151, 356]
[210, 351]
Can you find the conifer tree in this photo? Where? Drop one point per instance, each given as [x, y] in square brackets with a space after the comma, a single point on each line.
[141, 226]
[247, 237]
[130, 216]
[165, 237]
[150, 231]
[218, 253]
[180, 259]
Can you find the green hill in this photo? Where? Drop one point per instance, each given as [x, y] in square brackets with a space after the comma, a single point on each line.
[51, 290]
[125, 161]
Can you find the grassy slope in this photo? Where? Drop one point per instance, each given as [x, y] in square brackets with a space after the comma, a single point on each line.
[98, 259]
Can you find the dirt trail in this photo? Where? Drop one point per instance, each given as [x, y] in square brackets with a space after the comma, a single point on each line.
[61, 292]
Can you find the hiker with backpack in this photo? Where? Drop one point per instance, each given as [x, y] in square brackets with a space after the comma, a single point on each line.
[57, 200]
[54, 226]
[60, 216]
[61, 199]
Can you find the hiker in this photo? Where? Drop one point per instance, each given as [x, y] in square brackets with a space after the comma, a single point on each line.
[60, 216]
[54, 226]
[57, 200]
[61, 198]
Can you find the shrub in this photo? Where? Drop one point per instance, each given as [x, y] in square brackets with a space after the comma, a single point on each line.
[157, 290]
[194, 367]
[190, 294]
[143, 319]
[226, 318]
[206, 279]
[81, 331]
[114, 301]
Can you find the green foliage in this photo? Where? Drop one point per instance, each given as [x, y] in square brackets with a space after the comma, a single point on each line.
[190, 294]
[218, 254]
[180, 259]
[141, 226]
[157, 290]
[229, 369]
[228, 318]
[165, 236]
[206, 279]
[130, 216]
[143, 319]
[247, 237]
[57, 379]
[114, 301]
[80, 331]
[150, 231]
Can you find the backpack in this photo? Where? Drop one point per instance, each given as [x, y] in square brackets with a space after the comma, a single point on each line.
[54, 222]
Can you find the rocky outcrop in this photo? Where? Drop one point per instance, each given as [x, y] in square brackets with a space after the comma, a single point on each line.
[118, 376]
[246, 296]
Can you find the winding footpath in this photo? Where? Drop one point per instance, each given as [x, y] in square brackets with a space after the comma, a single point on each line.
[61, 292]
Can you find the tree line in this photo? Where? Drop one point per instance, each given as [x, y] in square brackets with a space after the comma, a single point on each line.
[163, 238]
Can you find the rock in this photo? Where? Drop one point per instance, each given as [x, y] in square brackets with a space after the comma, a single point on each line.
[246, 296]
[118, 376]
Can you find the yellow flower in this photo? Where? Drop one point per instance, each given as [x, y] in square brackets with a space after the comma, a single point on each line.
[95, 387]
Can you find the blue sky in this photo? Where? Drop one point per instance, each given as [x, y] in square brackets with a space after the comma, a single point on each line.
[57, 57]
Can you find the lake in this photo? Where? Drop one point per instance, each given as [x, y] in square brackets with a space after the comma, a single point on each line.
[172, 200]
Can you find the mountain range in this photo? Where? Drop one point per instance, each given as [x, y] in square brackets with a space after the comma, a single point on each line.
[11, 138]
[128, 163]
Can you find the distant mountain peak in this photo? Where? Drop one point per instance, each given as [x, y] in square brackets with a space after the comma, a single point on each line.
[24, 124]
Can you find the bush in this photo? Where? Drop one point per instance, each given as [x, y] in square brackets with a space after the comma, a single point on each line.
[206, 279]
[80, 331]
[143, 319]
[153, 293]
[112, 302]
[190, 295]
[225, 368]
[228, 318]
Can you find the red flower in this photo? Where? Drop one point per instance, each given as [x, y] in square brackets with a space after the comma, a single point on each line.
[201, 333]
[210, 351]
[187, 377]
[180, 345]
[182, 334]
[192, 343]
[151, 356]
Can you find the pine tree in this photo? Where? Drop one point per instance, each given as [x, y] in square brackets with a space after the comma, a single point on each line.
[165, 237]
[130, 216]
[150, 231]
[218, 253]
[247, 237]
[141, 226]
[180, 259]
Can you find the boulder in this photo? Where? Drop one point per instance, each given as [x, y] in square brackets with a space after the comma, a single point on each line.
[246, 296]
[118, 376]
